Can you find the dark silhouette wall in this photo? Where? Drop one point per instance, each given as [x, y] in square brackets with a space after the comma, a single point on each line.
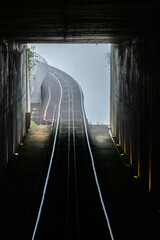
[12, 99]
[135, 93]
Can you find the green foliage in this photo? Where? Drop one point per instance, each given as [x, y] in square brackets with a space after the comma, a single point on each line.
[30, 57]
[33, 124]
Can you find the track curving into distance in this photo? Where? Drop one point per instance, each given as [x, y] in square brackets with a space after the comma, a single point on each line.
[72, 205]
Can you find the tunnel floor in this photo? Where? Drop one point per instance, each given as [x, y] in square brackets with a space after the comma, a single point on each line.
[130, 216]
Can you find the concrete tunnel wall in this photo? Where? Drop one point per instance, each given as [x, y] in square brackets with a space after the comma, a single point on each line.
[134, 111]
[13, 105]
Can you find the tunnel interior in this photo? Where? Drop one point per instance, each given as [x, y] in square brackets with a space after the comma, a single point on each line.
[133, 31]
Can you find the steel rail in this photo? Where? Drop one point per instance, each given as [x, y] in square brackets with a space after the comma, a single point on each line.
[50, 163]
[69, 153]
[90, 151]
[75, 165]
[74, 151]
[69, 88]
[94, 169]
[93, 166]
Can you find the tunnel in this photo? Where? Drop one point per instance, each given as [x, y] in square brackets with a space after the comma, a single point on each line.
[132, 29]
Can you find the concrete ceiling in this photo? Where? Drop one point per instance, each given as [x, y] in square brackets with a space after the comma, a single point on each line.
[77, 21]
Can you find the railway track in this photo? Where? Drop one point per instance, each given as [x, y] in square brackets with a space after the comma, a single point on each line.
[72, 205]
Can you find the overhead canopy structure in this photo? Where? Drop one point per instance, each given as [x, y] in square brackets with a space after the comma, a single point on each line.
[77, 20]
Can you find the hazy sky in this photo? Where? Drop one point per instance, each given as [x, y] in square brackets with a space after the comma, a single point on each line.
[88, 65]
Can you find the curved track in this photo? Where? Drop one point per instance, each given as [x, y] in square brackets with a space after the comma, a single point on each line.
[72, 206]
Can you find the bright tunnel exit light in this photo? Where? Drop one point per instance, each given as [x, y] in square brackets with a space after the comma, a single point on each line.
[89, 65]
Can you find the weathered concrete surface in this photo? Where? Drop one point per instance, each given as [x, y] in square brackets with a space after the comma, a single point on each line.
[77, 21]
[20, 186]
[38, 76]
[130, 215]
[135, 93]
[12, 99]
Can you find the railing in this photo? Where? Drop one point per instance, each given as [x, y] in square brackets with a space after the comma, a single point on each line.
[39, 58]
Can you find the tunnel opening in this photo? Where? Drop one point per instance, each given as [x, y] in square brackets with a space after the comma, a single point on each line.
[88, 64]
